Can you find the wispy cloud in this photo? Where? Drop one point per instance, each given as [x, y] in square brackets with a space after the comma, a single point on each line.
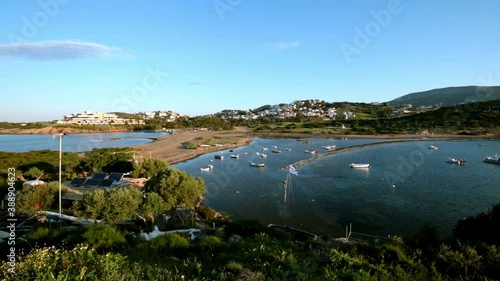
[197, 83]
[56, 50]
[286, 45]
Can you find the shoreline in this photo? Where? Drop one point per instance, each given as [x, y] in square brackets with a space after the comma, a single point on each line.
[170, 148]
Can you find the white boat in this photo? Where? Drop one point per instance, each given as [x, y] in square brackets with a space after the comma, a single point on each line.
[433, 147]
[209, 168]
[236, 156]
[263, 155]
[329, 147]
[458, 161]
[492, 159]
[311, 151]
[220, 157]
[259, 165]
[264, 148]
[359, 165]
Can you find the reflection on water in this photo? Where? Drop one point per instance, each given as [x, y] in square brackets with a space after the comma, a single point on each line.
[407, 185]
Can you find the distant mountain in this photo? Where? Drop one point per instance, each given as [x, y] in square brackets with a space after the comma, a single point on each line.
[449, 96]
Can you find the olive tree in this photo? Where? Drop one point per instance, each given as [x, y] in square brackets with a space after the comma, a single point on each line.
[32, 199]
[152, 205]
[112, 205]
[177, 188]
[35, 172]
[149, 167]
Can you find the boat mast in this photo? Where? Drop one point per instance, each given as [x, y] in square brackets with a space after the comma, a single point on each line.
[287, 182]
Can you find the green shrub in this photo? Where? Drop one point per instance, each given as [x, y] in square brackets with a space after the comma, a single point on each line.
[104, 237]
[171, 242]
[233, 266]
[210, 242]
[81, 263]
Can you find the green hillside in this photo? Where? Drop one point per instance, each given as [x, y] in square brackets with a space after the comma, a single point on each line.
[474, 118]
[449, 96]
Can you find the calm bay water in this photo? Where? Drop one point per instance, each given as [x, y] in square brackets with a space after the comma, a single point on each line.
[75, 142]
[408, 185]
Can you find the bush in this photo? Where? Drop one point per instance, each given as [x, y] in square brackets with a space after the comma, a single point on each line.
[80, 263]
[171, 242]
[210, 242]
[104, 237]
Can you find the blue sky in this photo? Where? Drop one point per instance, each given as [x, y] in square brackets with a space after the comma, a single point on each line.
[199, 57]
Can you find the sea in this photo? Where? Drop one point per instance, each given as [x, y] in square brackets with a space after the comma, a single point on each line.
[75, 142]
[407, 186]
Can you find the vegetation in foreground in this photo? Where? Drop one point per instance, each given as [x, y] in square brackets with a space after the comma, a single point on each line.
[246, 250]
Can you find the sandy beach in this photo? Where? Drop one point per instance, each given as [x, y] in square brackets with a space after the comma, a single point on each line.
[170, 148]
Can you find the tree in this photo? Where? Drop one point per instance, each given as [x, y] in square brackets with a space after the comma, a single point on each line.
[92, 205]
[112, 206]
[32, 199]
[121, 204]
[149, 167]
[35, 172]
[152, 205]
[177, 188]
[108, 160]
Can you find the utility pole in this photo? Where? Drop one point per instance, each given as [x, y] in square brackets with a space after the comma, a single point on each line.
[60, 172]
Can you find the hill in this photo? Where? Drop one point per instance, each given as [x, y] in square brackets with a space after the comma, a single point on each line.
[449, 96]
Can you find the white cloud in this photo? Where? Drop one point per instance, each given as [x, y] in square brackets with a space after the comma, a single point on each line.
[56, 50]
[286, 45]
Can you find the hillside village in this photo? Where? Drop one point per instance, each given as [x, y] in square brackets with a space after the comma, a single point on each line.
[307, 108]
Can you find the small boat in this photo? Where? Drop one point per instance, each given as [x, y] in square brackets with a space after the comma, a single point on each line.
[264, 148]
[492, 159]
[246, 152]
[259, 165]
[359, 165]
[231, 150]
[258, 153]
[209, 168]
[220, 157]
[276, 151]
[236, 156]
[311, 151]
[263, 155]
[458, 161]
[288, 149]
[433, 147]
[328, 147]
